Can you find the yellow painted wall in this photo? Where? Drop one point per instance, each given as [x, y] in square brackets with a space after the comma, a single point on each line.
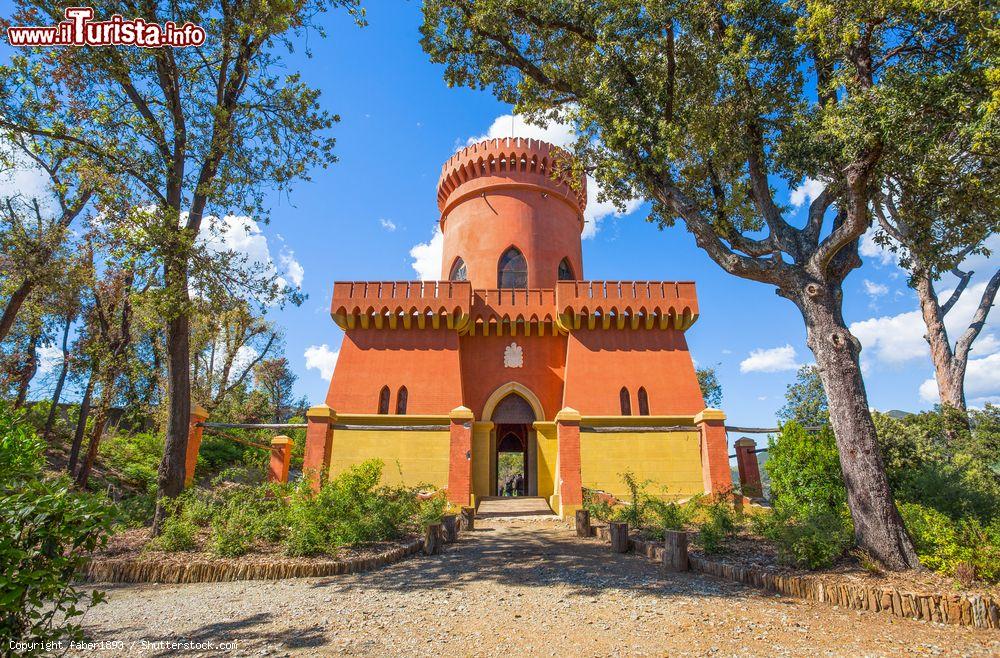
[481, 459]
[547, 449]
[422, 456]
[671, 459]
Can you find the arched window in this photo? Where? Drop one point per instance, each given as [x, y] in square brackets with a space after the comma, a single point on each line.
[643, 402]
[458, 271]
[625, 401]
[565, 271]
[512, 271]
[401, 401]
[383, 400]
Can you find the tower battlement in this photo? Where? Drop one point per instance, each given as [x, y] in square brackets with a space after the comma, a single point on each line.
[506, 162]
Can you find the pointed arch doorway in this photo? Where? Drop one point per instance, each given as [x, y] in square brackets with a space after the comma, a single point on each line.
[514, 455]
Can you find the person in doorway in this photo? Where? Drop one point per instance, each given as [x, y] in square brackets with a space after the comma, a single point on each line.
[519, 484]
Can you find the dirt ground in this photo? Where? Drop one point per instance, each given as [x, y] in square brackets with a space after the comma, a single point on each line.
[525, 587]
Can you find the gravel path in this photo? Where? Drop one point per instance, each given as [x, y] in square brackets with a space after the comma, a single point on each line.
[519, 587]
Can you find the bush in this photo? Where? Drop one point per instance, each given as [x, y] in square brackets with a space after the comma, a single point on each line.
[598, 506]
[232, 533]
[135, 456]
[177, 532]
[953, 547]
[352, 509]
[717, 522]
[46, 530]
[813, 541]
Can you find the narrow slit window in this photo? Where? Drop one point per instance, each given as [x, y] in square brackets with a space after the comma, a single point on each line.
[383, 400]
[626, 402]
[643, 402]
[401, 401]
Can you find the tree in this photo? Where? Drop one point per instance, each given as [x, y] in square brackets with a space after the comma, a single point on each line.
[805, 399]
[276, 381]
[699, 108]
[940, 203]
[33, 235]
[180, 133]
[711, 389]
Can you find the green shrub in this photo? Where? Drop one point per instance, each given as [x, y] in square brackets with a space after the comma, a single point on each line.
[804, 470]
[135, 456]
[431, 510]
[233, 533]
[46, 529]
[353, 508]
[599, 508]
[717, 522]
[660, 515]
[814, 541]
[946, 546]
[177, 533]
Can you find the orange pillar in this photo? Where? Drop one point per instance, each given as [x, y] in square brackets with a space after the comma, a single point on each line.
[570, 481]
[715, 473]
[319, 443]
[746, 462]
[281, 459]
[198, 415]
[460, 457]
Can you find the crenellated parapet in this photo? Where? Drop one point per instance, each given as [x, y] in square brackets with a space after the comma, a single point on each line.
[512, 311]
[627, 304]
[404, 304]
[506, 163]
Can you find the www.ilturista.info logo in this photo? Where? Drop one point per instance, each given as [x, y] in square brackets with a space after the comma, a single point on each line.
[79, 30]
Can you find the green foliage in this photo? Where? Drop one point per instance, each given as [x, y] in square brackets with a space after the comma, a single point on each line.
[711, 389]
[233, 532]
[352, 509]
[644, 511]
[177, 534]
[717, 522]
[804, 469]
[598, 506]
[135, 456]
[814, 539]
[805, 399]
[946, 545]
[46, 529]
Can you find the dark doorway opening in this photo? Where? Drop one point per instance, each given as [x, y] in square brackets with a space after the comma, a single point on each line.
[511, 474]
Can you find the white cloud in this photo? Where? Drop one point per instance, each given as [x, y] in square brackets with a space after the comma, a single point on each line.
[427, 257]
[243, 235]
[322, 358]
[875, 289]
[982, 382]
[26, 180]
[809, 190]
[559, 134]
[894, 339]
[49, 358]
[387, 224]
[775, 359]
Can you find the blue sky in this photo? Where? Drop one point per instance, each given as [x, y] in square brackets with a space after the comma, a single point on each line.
[361, 218]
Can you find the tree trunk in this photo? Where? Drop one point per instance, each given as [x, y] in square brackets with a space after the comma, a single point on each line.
[618, 531]
[81, 423]
[878, 527]
[170, 481]
[949, 374]
[14, 306]
[50, 421]
[28, 371]
[100, 421]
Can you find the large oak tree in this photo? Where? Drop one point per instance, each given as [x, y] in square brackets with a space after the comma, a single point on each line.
[700, 107]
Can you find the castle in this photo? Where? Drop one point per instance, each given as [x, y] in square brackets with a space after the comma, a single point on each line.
[513, 350]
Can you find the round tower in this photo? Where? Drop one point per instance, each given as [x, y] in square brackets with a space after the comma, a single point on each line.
[507, 222]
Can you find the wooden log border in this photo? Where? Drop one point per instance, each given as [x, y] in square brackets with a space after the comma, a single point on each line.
[129, 570]
[976, 610]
